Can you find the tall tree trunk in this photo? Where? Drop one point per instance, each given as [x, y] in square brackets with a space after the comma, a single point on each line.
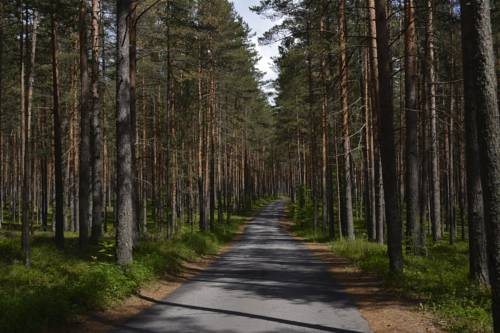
[312, 123]
[132, 25]
[2, 184]
[75, 152]
[368, 156]
[201, 180]
[451, 161]
[143, 176]
[480, 92]
[124, 140]
[211, 134]
[84, 158]
[387, 144]
[374, 79]
[155, 181]
[58, 160]
[344, 91]
[326, 190]
[462, 197]
[478, 262]
[328, 214]
[16, 202]
[431, 104]
[424, 174]
[411, 108]
[26, 188]
[96, 134]
[220, 145]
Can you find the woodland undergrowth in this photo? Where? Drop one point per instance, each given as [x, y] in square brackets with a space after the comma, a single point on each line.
[438, 281]
[60, 285]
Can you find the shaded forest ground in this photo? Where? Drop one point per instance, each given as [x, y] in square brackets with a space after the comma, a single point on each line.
[437, 283]
[61, 285]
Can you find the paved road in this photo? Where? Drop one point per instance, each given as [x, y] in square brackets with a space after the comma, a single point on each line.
[266, 283]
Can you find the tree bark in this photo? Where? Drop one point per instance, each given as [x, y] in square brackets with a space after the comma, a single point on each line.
[58, 160]
[370, 218]
[124, 140]
[84, 158]
[387, 144]
[328, 214]
[374, 79]
[1, 116]
[411, 108]
[26, 188]
[480, 92]
[132, 26]
[478, 262]
[96, 134]
[431, 105]
[451, 159]
[201, 176]
[344, 90]
[211, 134]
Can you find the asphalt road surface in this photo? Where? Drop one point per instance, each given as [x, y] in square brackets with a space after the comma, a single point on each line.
[267, 282]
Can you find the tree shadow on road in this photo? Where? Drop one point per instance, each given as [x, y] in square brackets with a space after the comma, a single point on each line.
[248, 315]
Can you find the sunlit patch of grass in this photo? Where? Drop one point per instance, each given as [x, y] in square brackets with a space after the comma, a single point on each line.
[439, 280]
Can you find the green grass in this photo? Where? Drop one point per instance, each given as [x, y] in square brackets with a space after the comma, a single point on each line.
[62, 284]
[439, 280]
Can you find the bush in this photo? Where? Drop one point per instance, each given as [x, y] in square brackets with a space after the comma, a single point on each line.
[202, 243]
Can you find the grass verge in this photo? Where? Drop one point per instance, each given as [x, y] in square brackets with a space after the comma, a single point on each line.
[439, 281]
[63, 284]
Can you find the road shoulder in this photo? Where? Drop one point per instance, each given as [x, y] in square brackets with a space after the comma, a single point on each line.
[109, 319]
[384, 311]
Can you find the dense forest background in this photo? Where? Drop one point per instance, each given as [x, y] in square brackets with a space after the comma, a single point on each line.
[124, 120]
[198, 117]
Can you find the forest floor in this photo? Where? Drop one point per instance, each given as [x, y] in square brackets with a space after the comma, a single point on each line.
[117, 315]
[433, 294]
[270, 275]
[61, 287]
[384, 310]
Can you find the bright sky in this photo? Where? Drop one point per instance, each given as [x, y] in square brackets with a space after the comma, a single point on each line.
[259, 25]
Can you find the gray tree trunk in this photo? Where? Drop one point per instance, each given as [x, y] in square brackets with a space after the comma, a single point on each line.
[96, 134]
[201, 170]
[431, 95]
[133, 113]
[58, 160]
[347, 215]
[411, 107]
[378, 189]
[124, 140]
[478, 262]
[1, 121]
[26, 188]
[84, 158]
[480, 92]
[387, 144]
